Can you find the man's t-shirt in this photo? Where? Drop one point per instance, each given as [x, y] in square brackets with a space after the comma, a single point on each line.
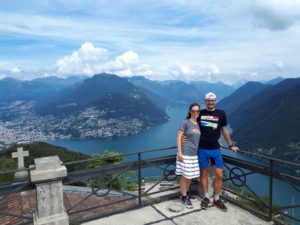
[210, 127]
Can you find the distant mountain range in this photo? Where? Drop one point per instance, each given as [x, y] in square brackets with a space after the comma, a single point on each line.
[266, 118]
[53, 108]
[174, 92]
[220, 89]
[112, 94]
[35, 90]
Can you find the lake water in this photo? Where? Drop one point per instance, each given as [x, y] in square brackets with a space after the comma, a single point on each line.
[164, 135]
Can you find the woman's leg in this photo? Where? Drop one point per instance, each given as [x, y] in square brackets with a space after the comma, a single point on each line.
[183, 185]
[188, 183]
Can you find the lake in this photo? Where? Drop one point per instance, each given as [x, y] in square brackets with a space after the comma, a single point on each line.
[164, 135]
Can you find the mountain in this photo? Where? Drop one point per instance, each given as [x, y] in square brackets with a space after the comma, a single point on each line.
[53, 108]
[269, 121]
[244, 93]
[240, 83]
[220, 89]
[114, 95]
[275, 80]
[183, 93]
[168, 93]
[34, 90]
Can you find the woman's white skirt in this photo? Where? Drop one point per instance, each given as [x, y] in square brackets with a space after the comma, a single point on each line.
[189, 168]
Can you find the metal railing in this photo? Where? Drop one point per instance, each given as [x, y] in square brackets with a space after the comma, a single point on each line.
[98, 191]
[272, 169]
[134, 162]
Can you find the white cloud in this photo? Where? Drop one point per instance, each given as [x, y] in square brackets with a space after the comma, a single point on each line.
[127, 64]
[181, 72]
[16, 70]
[188, 73]
[213, 69]
[279, 65]
[81, 61]
[90, 60]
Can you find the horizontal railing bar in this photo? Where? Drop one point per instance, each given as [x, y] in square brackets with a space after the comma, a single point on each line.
[122, 155]
[16, 170]
[109, 169]
[149, 151]
[265, 157]
[260, 169]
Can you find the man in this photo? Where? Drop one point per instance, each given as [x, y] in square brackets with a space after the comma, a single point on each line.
[213, 122]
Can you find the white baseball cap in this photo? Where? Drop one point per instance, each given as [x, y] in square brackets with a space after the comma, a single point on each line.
[210, 96]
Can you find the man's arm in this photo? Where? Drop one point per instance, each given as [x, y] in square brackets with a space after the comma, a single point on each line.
[228, 140]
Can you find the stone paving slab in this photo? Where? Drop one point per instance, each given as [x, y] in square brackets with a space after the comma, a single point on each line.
[212, 216]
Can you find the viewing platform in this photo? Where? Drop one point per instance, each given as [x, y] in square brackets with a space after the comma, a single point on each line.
[142, 188]
[160, 214]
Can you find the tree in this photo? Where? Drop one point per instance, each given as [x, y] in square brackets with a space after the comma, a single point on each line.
[7, 164]
[110, 158]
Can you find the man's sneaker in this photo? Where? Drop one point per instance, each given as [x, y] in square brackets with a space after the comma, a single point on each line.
[220, 204]
[204, 203]
[187, 202]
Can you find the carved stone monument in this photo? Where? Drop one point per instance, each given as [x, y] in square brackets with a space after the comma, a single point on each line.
[47, 176]
[20, 154]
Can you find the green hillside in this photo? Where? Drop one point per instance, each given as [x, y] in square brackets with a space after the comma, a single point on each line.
[42, 149]
[244, 93]
[269, 122]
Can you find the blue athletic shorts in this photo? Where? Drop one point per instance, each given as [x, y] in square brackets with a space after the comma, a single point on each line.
[214, 155]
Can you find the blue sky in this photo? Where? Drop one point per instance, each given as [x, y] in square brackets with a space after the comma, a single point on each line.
[221, 40]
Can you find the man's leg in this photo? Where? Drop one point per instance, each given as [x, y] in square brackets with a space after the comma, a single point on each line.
[218, 182]
[204, 184]
[204, 180]
[203, 164]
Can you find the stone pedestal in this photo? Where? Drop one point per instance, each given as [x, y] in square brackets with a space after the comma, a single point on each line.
[47, 177]
[21, 176]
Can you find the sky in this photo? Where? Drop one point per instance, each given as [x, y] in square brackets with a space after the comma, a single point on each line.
[220, 40]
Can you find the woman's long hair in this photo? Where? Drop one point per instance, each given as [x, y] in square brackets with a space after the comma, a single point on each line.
[189, 112]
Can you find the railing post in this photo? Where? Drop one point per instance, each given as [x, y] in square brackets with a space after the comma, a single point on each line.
[47, 176]
[271, 190]
[140, 178]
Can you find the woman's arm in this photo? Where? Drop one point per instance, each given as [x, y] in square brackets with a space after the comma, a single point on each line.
[179, 143]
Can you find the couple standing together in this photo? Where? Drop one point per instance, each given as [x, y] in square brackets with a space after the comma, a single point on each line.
[198, 144]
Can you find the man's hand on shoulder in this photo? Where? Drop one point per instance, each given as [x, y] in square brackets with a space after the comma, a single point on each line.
[184, 139]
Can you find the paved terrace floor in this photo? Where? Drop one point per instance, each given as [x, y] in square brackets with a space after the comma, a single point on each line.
[159, 214]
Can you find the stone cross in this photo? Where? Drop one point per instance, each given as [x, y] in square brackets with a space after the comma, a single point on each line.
[20, 154]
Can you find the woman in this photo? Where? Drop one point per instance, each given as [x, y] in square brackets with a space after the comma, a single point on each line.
[187, 159]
